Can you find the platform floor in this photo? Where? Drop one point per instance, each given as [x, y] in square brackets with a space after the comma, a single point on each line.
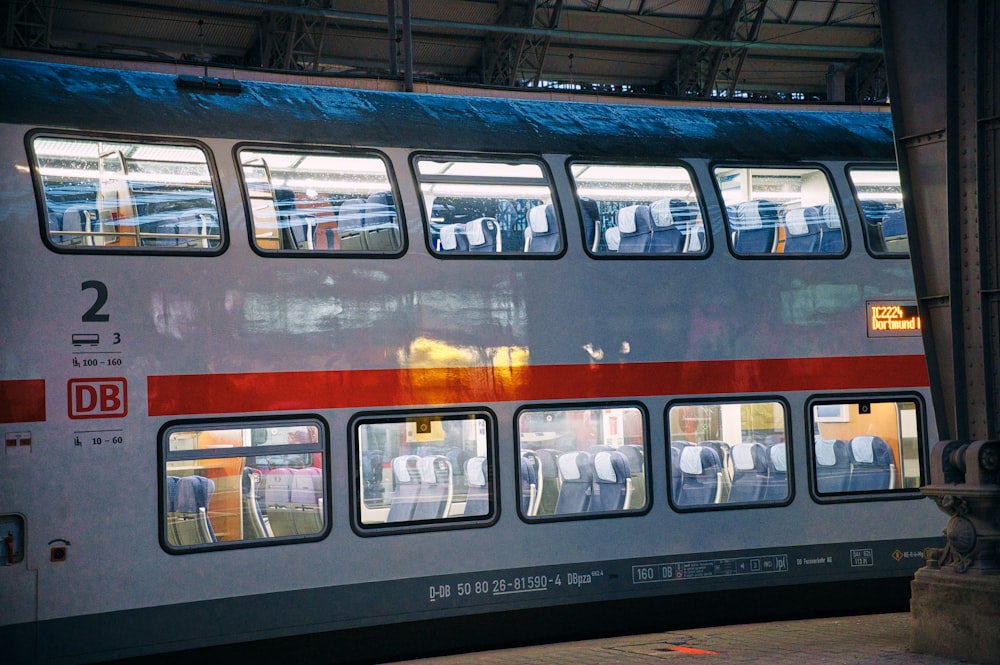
[879, 639]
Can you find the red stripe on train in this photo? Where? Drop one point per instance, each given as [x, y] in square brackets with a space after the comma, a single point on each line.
[297, 391]
[22, 401]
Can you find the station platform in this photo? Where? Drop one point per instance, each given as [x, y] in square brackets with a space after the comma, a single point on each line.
[876, 639]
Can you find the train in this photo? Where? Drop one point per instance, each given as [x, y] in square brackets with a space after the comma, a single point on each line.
[288, 362]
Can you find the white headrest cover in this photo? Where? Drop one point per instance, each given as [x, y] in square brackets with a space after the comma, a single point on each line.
[778, 458]
[400, 468]
[428, 474]
[613, 236]
[475, 231]
[825, 454]
[830, 215]
[795, 222]
[743, 456]
[604, 468]
[475, 472]
[448, 240]
[626, 219]
[691, 460]
[538, 220]
[749, 216]
[861, 449]
[568, 468]
[660, 212]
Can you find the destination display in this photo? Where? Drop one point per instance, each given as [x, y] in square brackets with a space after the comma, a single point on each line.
[893, 319]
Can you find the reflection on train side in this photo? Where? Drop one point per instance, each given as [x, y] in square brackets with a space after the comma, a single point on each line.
[424, 468]
[880, 198]
[728, 453]
[865, 446]
[257, 482]
[580, 461]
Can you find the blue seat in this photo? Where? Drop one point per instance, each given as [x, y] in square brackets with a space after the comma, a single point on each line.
[753, 227]
[529, 484]
[477, 499]
[833, 232]
[635, 227]
[893, 229]
[612, 481]
[483, 235]
[590, 218]
[434, 499]
[612, 238]
[833, 465]
[670, 222]
[777, 473]
[750, 472]
[700, 468]
[547, 480]
[576, 476]
[452, 238]
[872, 464]
[191, 504]
[381, 230]
[406, 488]
[803, 231]
[637, 467]
[350, 224]
[542, 233]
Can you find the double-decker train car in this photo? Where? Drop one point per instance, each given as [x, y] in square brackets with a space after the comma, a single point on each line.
[282, 361]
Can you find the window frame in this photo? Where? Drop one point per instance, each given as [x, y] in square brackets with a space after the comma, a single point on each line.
[318, 151]
[586, 406]
[740, 401]
[426, 216]
[138, 139]
[872, 251]
[165, 455]
[699, 198]
[355, 499]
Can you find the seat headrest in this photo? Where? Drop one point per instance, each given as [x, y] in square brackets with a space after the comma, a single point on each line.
[476, 232]
[830, 215]
[690, 461]
[351, 214]
[743, 456]
[863, 449]
[447, 233]
[541, 218]
[401, 468]
[605, 463]
[778, 458]
[825, 453]
[475, 471]
[795, 222]
[570, 465]
[659, 211]
[755, 215]
[428, 469]
[613, 237]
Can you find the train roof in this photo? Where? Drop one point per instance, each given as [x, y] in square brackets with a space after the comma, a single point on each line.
[91, 99]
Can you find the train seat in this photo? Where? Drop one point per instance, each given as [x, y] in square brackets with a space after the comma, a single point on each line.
[676, 447]
[576, 475]
[694, 234]
[893, 231]
[777, 473]
[833, 232]
[872, 213]
[612, 238]
[700, 469]
[612, 481]
[253, 519]
[753, 227]
[406, 488]
[547, 478]
[529, 484]
[188, 523]
[635, 224]
[350, 225]
[590, 217]
[749, 472]
[872, 464]
[436, 489]
[637, 467]
[542, 234]
[381, 229]
[803, 231]
[483, 235]
[477, 498]
[453, 238]
[278, 505]
[833, 465]
[722, 449]
[78, 222]
[670, 218]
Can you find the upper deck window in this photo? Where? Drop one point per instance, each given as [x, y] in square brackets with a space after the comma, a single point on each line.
[780, 211]
[485, 208]
[114, 195]
[880, 200]
[321, 202]
[639, 210]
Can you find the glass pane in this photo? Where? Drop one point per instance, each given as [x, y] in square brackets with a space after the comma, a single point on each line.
[243, 484]
[321, 202]
[488, 207]
[732, 453]
[123, 195]
[880, 199]
[780, 211]
[581, 461]
[866, 446]
[424, 468]
[630, 209]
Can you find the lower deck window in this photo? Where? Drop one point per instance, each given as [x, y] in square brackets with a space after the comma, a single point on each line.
[232, 484]
[424, 469]
[866, 446]
[582, 461]
[728, 454]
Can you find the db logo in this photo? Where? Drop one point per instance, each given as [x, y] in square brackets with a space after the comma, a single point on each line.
[97, 398]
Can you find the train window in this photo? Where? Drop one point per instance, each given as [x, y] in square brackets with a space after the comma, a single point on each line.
[633, 209]
[880, 200]
[119, 195]
[866, 446]
[306, 202]
[227, 484]
[582, 461]
[424, 470]
[488, 207]
[780, 211]
[728, 454]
